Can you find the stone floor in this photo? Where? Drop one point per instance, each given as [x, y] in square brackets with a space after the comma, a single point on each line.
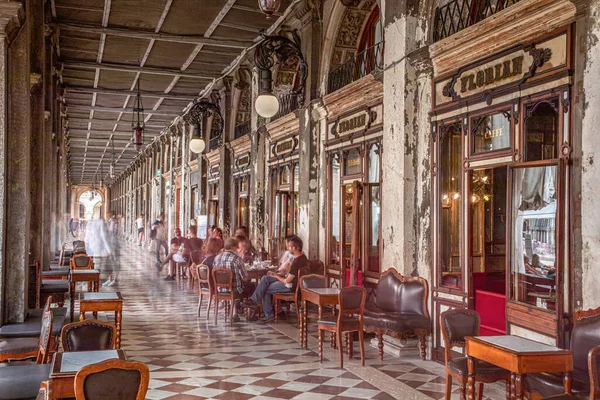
[192, 358]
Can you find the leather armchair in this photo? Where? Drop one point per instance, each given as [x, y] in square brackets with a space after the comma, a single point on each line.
[88, 335]
[112, 379]
[584, 337]
[399, 309]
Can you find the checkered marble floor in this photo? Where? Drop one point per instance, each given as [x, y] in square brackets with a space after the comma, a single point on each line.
[190, 357]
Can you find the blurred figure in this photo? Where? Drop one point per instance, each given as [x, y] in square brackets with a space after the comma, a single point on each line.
[213, 247]
[245, 249]
[242, 231]
[98, 244]
[217, 233]
[113, 262]
[140, 228]
[160, 237]
[72, 227]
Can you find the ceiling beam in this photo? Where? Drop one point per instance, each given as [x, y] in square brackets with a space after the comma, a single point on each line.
[252, 9]
[80, 8]
[170, 96]
[77, 119]
[240, 27]
[74, 63]
[167, 113]
[149, 35]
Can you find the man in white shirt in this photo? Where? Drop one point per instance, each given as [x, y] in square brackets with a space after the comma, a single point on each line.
[140, 227]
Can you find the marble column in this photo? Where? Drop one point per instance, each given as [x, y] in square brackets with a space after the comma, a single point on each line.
[18, 147]
[225, 161]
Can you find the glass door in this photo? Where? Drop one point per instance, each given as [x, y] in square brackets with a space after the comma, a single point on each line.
[352, 237]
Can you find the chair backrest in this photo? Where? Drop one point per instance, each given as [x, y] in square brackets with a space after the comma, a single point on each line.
[456, 324]
[45, 336]
[205, 277]
[352, 302]
[584, 336]
[402, 294]
[88, 335]
[593, 361]
[81, 261]
[223, 279]
[312, 281]
[317, 267]
[301, 272]
[112, 379]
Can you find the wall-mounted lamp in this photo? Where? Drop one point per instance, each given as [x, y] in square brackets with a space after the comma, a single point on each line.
[200, 110]
[271, 51]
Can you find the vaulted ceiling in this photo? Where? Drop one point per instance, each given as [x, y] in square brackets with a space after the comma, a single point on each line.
[172, 48]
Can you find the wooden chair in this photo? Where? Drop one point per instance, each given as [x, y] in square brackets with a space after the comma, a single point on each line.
[112, 379]
[195, 260]
[456, 324]
[223, 280]
[55, 289]
[290, 298]
[22, 348]
[349, 319]
[81, 261]
[311, 281]
[205, 282]
[593, 361]
[88, 335]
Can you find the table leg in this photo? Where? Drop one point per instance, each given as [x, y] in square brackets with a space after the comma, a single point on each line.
[567, 382]
[304, 344]
[81, 315]
[72, 305]
[118, 316]
[518, 387]
[512, 386]
[471, 378]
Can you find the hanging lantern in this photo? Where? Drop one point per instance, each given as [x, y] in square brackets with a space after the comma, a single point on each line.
[269, 7]
[111, 168]
[137, 122]
[197, 143]
[111, 171]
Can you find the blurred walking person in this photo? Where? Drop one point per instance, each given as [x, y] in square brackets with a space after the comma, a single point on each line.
[160, 239]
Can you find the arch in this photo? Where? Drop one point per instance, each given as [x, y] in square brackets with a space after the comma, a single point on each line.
[343, 34]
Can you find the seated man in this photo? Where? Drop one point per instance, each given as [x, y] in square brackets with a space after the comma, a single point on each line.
[230, 259]
[275, 283]
[175, 255]
[286, 259]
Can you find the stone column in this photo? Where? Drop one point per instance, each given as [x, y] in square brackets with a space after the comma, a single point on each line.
[226, 171]
[406, 213]
[586, 146]
[50, 188]
[17, 180]
[35, 20]
[185, 180]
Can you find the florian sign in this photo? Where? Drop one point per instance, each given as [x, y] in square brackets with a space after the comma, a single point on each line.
[483, 80]
[284, 146]
[242, 161]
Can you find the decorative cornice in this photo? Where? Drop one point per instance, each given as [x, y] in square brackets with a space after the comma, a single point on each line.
[12, 15]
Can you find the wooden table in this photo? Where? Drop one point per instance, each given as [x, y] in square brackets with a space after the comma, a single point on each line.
[66, 364]
[255, 274]
[321, 297]
[91, 276]
[520, 356]
[108, 301]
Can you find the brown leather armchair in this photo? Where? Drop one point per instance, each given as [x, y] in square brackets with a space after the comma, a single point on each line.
[399, 309]
[593, 361]
[584, 337]
[112, 379]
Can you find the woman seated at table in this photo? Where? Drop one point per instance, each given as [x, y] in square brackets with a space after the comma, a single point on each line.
[275, 283]
[213, 247]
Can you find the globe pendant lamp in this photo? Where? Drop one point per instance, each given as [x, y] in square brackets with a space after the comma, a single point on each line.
[269, 7]
[266, 104]
[197, 144]
[137, 123]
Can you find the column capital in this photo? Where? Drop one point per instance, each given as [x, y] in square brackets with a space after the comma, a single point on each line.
[12, 15]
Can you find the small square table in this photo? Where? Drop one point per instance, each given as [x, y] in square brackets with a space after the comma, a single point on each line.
[321, 297]
[105, 301]
[520, 356]
[91, 276]
[66, 364]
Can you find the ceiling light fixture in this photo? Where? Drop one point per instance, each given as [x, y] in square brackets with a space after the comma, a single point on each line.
[200, 110]
[111, 168]
[273, 50]
[269, 7]
[137, 122]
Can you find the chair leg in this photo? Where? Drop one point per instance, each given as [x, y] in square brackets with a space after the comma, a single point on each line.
[276, 310]
[423, 339]
[231, 309]
[508, 389]
[200, 302]
[380, 345]
[480, 391]
[340, 348]
[332, 340]
[216, 310]
[301, 329]
[448, 386]
[210, 299]
[347, 344]
[361, 340]
[463, 391]
[321, 345]
[351, 345]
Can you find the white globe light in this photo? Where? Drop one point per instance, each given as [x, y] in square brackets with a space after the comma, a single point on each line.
[197, 145]
[266, 105]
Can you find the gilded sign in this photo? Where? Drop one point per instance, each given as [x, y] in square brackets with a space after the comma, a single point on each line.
[354, 123]
[495, 73]
[284, 146]
[243, 161]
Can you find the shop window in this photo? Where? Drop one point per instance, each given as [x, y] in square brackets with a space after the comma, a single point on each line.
[534, 208]
[491, 132]
[450, 172]
[296, 176]
[284, 177]
[541, 130]
[335, 210]
[353, 162]
[374, 225]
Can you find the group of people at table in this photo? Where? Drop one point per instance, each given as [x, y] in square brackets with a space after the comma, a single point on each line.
[237, 254]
